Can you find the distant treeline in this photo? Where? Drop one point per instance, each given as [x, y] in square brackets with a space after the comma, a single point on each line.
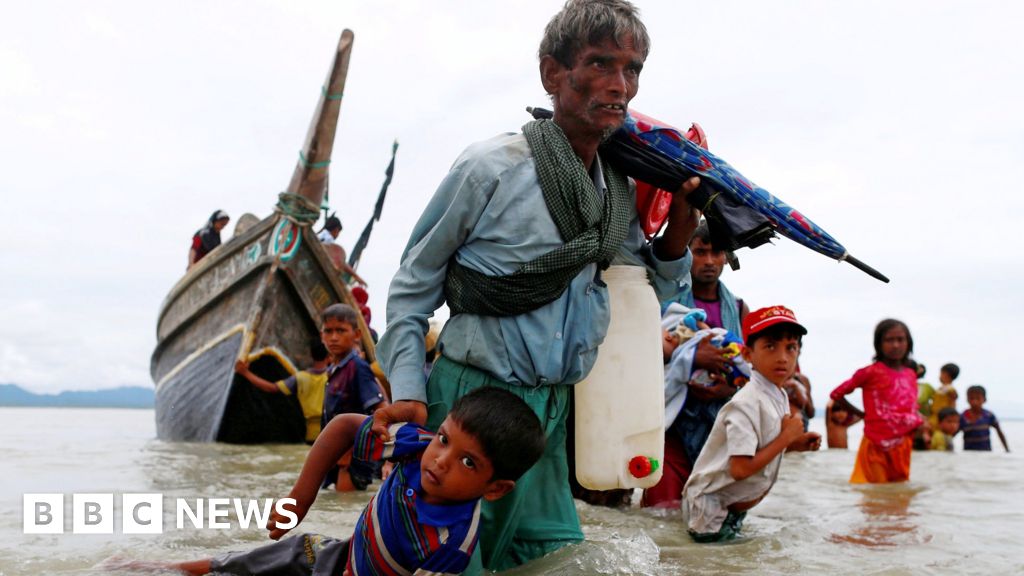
[124, 397]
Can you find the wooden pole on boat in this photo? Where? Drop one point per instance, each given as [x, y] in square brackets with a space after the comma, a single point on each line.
[309, 179]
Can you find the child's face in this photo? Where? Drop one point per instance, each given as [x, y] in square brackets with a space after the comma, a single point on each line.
[894, 344]
[339, 337]
[945, 378]
[949, 425]
[669, 342]
[976, 400]
[839, 415]
[454, 467]
[774, 359]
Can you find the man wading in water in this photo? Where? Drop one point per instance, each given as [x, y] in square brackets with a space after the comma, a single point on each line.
[514, 240]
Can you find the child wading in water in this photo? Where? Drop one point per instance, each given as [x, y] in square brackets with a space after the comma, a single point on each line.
[740, 461]
[426, 515]
[945, 396]
[837, 420]
[949, 425]
[890, 406]
[976, 421]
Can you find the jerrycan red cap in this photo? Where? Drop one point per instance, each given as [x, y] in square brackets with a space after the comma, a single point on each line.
[643, 466]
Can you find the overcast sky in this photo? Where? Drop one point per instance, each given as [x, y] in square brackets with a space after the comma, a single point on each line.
[898, 127]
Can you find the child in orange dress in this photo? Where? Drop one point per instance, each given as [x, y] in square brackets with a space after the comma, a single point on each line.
[890, 406]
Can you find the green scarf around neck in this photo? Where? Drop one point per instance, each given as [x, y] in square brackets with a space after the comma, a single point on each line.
[593, 230]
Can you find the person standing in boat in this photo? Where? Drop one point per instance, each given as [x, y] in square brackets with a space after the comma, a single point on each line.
[207, 238]
[515, 239]
[328, 237]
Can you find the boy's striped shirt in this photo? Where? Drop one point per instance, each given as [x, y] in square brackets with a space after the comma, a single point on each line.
[976, 432]
[400, 534]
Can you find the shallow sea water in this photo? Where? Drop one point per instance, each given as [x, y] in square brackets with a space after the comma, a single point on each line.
[960, 513]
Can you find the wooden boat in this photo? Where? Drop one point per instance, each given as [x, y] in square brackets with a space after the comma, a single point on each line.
[258, 295]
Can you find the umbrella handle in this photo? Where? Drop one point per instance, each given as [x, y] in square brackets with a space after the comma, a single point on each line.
[540, 113]
[865, 268]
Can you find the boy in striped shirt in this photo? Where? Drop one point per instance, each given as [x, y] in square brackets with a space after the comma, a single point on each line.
[424, 518]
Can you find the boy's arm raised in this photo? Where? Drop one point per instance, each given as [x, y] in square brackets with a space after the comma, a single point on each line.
[838, 395]
[242, 367]
[741, 467]
[335, 439]
[854, 418]
[857, 413]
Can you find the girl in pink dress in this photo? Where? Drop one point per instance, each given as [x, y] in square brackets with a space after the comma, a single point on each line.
[890, 406]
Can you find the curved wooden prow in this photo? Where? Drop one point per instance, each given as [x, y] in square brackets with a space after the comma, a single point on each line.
[310, 177]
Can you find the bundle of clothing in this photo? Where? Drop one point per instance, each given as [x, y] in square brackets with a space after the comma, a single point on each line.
[687, 327]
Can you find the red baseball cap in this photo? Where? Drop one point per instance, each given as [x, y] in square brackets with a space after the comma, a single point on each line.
[762, 318]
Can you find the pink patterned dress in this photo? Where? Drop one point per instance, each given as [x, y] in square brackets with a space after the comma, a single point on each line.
[890, 402]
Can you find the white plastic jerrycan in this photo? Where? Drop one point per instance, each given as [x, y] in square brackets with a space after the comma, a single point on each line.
[620, 406]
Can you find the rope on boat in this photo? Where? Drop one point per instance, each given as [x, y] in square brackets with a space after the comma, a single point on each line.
[323, 90]
[307, 164]
[298, 209]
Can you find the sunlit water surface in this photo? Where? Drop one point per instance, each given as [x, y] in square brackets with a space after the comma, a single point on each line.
[960, 513]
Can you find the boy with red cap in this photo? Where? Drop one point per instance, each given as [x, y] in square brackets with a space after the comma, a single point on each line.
[740, 461]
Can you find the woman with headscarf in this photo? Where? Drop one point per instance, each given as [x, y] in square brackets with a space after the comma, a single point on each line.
[208, 237]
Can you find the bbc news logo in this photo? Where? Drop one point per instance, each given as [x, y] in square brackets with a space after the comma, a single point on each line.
[144, 513]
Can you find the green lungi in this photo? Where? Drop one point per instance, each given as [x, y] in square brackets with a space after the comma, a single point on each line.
[539, 515]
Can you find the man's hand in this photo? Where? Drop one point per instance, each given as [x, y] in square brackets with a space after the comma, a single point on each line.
[241, 366]
[400, 411]
[300, 510]
[682, 221]
[709, 357]
[717, 391]
[681, 210]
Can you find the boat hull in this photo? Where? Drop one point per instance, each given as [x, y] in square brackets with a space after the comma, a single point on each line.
[259, 297]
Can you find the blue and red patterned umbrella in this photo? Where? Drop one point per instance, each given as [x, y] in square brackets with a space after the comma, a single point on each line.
[656, 153]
